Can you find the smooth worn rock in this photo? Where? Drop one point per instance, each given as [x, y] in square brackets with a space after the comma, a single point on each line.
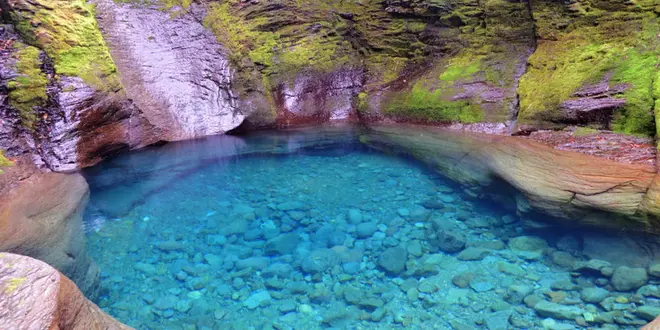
[36, 296]
[557, 311]
[627, 279]
[594, 295]
[472, 254]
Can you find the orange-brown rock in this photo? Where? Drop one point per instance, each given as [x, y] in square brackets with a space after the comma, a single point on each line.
[42, 218]
[34, 295]
[577, 187]
[653, 325]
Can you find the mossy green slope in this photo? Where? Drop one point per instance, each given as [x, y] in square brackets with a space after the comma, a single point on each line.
[67, 32]
[585, 42]
[28, 90]
[4, 162]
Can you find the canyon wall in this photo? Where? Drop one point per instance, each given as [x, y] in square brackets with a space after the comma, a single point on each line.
[84, 80]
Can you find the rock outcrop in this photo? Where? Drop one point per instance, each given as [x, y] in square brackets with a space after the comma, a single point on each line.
[173, 68]
[582, 189]
[34, 295]
[41, 217]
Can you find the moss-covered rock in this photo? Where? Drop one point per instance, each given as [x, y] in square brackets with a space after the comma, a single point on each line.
[593, 57]
[28, 89]
[66, 30]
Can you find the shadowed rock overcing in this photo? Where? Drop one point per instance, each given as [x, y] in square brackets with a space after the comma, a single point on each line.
[583, 189]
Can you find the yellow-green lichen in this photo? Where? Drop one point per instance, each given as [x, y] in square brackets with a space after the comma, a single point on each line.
[4, 162]
[13, 284]
[28, 90]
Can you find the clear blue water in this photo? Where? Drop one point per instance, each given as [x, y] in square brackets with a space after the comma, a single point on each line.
[315, 231]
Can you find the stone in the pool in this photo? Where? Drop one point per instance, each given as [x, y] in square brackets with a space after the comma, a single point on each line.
[256, 263]
[627, 279]
[472, 254]
[477, 222]
[481, 284]
[216, 240]
[351, 268]
[235, 226]
[393, 260]
[169, 245]
[319, 260]
[166, 302]
[509, 219]
[412, 294]
[450, 242]
[426, 286]
[528, 243]
[490, 245]
[531, 300]
[414, 247]
[593, 266]
[291, 206]
[648, 313]
[551, 324]
[183, 306]
[378, 314]
[403, 212]
[354, 216]
[564, 285]
[654, 270]
[462, 280]
[366, 229]
[557, 311]
[146, 268]
[511, 269]
[256, 299]
[594, 295]
[516, 293]
[282, 244]
[498, 320]
[433, 203]
[419, 213]
[212, 259]
[243, 212]
[253, 234]
[287, 305]
[563, 259]
[649, 291]
[569, 243]
[297, 215]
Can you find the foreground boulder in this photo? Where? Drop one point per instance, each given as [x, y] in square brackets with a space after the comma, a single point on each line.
[42, 217]
[36, 296]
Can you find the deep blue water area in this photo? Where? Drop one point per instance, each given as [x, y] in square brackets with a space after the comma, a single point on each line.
[313, 230]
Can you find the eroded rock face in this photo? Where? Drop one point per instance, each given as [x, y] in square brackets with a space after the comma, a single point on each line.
[173, 68]
[34, 295]
[42, 218]
[585, 189]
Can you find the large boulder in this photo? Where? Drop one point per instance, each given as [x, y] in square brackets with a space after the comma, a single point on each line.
[42, 218]
[36, 296]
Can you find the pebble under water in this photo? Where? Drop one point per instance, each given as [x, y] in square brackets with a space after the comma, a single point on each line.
[335, 237]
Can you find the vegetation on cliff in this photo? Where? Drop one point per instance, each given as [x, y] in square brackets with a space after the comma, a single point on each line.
[66, 33]
[4, 161]
[588, 43]
[28, 90]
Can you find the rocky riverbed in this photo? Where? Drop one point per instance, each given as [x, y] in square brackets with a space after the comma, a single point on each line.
[349, 239]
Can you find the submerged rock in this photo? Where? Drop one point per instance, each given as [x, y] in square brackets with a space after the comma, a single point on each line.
[393, 260]
[627, 279]
[257, 299]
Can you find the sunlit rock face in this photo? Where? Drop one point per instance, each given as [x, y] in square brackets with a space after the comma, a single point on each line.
[42, 218]
[37, 296]
[173, 68]
[583, 189]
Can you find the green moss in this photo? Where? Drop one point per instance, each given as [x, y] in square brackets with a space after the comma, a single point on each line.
[28, 90]
[362, 102]
[587, 43]
[4, 162]
[428, 105]
[584, 131]
[67, 31]
[638, 70]
[461, 68]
